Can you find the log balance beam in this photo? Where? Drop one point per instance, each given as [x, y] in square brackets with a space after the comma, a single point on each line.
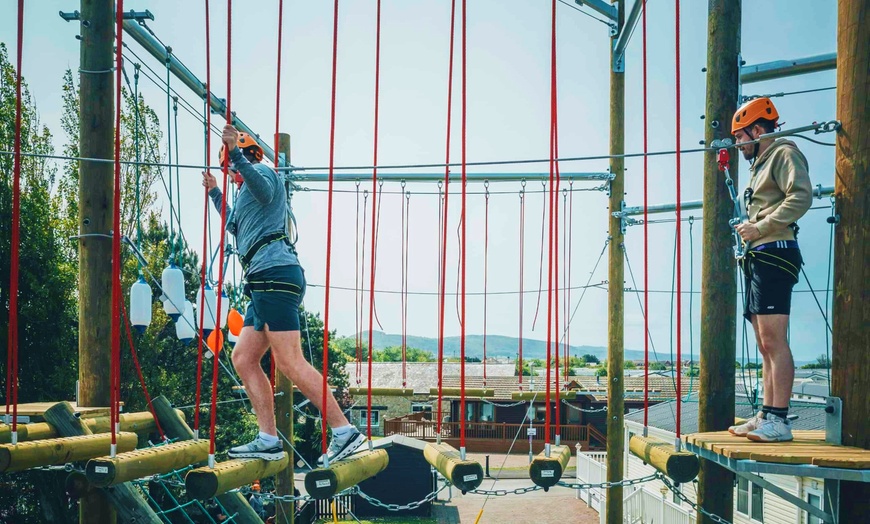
[205, 482]
[140, 422]
[58, 451]
[323, 483]
[469, 392]
[681, 466]
[383, 392]
[466, 475]
[547, 471]
[140, 463]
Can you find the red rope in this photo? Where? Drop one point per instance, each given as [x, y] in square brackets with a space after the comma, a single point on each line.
[139, 371]
[485, 272]
[324, 391]
[220, 283]
[550, 222]
[116, 231]
[443, 269]
[277, 140]
[12, 353]
[679, 246]
[204, 221]
[645, 236]
[521, 295]
[464, 236]
[555, 221]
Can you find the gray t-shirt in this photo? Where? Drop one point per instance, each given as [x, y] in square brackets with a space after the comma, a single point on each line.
[260, 210]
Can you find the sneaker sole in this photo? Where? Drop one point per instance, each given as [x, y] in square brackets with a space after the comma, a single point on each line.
[756, 438]
[270, 457]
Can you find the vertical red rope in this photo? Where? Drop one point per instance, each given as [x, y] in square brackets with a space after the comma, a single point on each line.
[135, 357]
[277, 140]
[521, 295]
[555, 221]
[220, 282]
[442, 291]
[464, 236]
[551, 217]
[646, 311]
[205, 250]
[12, 350]
[324, 391]
[116, 230]
[679, 243]
[485, 272]
[375, 212]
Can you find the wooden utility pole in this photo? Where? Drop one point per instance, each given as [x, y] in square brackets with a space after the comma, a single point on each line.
[285, 512]
[850, 375]
[719, 292]
[615, 290]
[96, 129]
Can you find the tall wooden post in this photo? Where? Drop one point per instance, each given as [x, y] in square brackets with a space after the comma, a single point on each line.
[615, 276]
[850, 376]
[719, 292]
[285, 512]
[96, 129]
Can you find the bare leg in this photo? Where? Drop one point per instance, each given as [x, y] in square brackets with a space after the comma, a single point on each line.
[287, 349]
[249, 350]
[772, 332]
[766, 366]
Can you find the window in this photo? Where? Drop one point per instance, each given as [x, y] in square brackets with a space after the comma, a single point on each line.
[470, 412]
[363, 418]
[814, 498]
[750, 499]
[416, 408]
[487, 413]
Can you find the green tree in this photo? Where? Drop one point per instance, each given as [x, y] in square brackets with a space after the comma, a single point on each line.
[601, 371]
[657, 366]
[394, 354]
[629, 364]
[822, 362]
[591, 359]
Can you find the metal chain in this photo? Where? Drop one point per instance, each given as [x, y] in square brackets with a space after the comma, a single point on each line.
[520, 403]
[608, 485]
[504, 492]
[594, 410]
[679, 494]
[399, 507]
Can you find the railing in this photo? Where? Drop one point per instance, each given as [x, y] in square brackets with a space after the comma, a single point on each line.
[427, 430]
[592, 470]
[645, 507]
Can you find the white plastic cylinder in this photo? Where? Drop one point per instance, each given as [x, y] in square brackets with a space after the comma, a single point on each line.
[208, 310]
[172, 282]
[232, 339]
[225, 309]
[185, 326]
[140, 305]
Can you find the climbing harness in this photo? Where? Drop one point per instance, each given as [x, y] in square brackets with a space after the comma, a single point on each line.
[739, 211]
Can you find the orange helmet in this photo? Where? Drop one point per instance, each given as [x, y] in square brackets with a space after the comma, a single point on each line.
[247, 144]
[751, 111]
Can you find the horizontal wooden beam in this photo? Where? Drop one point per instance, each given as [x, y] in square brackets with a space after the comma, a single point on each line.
[57, 451]
[681, 466]
[108, 471]
[383, 392]
[323, 483]
[457, 392]
[547, 471]
[139, 422]
[464, 474]
[205, 483]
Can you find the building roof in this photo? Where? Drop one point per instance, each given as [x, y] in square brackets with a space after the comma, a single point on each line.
[663, 415]
[661, 388]
[420, 375]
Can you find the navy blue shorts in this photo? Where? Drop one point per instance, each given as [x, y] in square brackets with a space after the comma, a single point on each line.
[276, 294]
[770, 274]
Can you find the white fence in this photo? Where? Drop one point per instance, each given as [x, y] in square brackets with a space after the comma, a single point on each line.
[641, 506]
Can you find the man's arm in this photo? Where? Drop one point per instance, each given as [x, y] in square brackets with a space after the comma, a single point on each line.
[260, 182]
[217, 198]
[791, 174]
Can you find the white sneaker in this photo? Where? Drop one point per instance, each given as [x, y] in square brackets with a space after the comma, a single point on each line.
[741, 430]
[772, 429]
[342, 446]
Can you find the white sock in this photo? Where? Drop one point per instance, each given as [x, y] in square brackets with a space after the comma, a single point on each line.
[343, 430]
[268, 439]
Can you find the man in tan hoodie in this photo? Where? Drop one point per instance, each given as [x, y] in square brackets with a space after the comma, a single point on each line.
[779, 192]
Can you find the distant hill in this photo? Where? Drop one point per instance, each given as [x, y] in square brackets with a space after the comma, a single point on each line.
[496, 346]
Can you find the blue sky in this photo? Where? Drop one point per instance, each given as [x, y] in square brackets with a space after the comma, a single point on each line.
[508, 118]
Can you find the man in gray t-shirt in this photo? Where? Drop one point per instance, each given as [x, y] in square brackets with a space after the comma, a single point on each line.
[275, 283]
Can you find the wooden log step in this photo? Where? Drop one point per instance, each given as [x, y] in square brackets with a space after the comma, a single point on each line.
[204, 483]
[547, 471]
[681, 466]
[58, 451]
[139, 422]
[464, 474]
[108, 471]
[323, 483]
[383, 392]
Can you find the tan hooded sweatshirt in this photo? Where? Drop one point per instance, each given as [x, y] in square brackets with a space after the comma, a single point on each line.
[781, 191]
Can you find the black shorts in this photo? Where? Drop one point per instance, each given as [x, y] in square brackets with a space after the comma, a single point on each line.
[275, 294]
[770, 274]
